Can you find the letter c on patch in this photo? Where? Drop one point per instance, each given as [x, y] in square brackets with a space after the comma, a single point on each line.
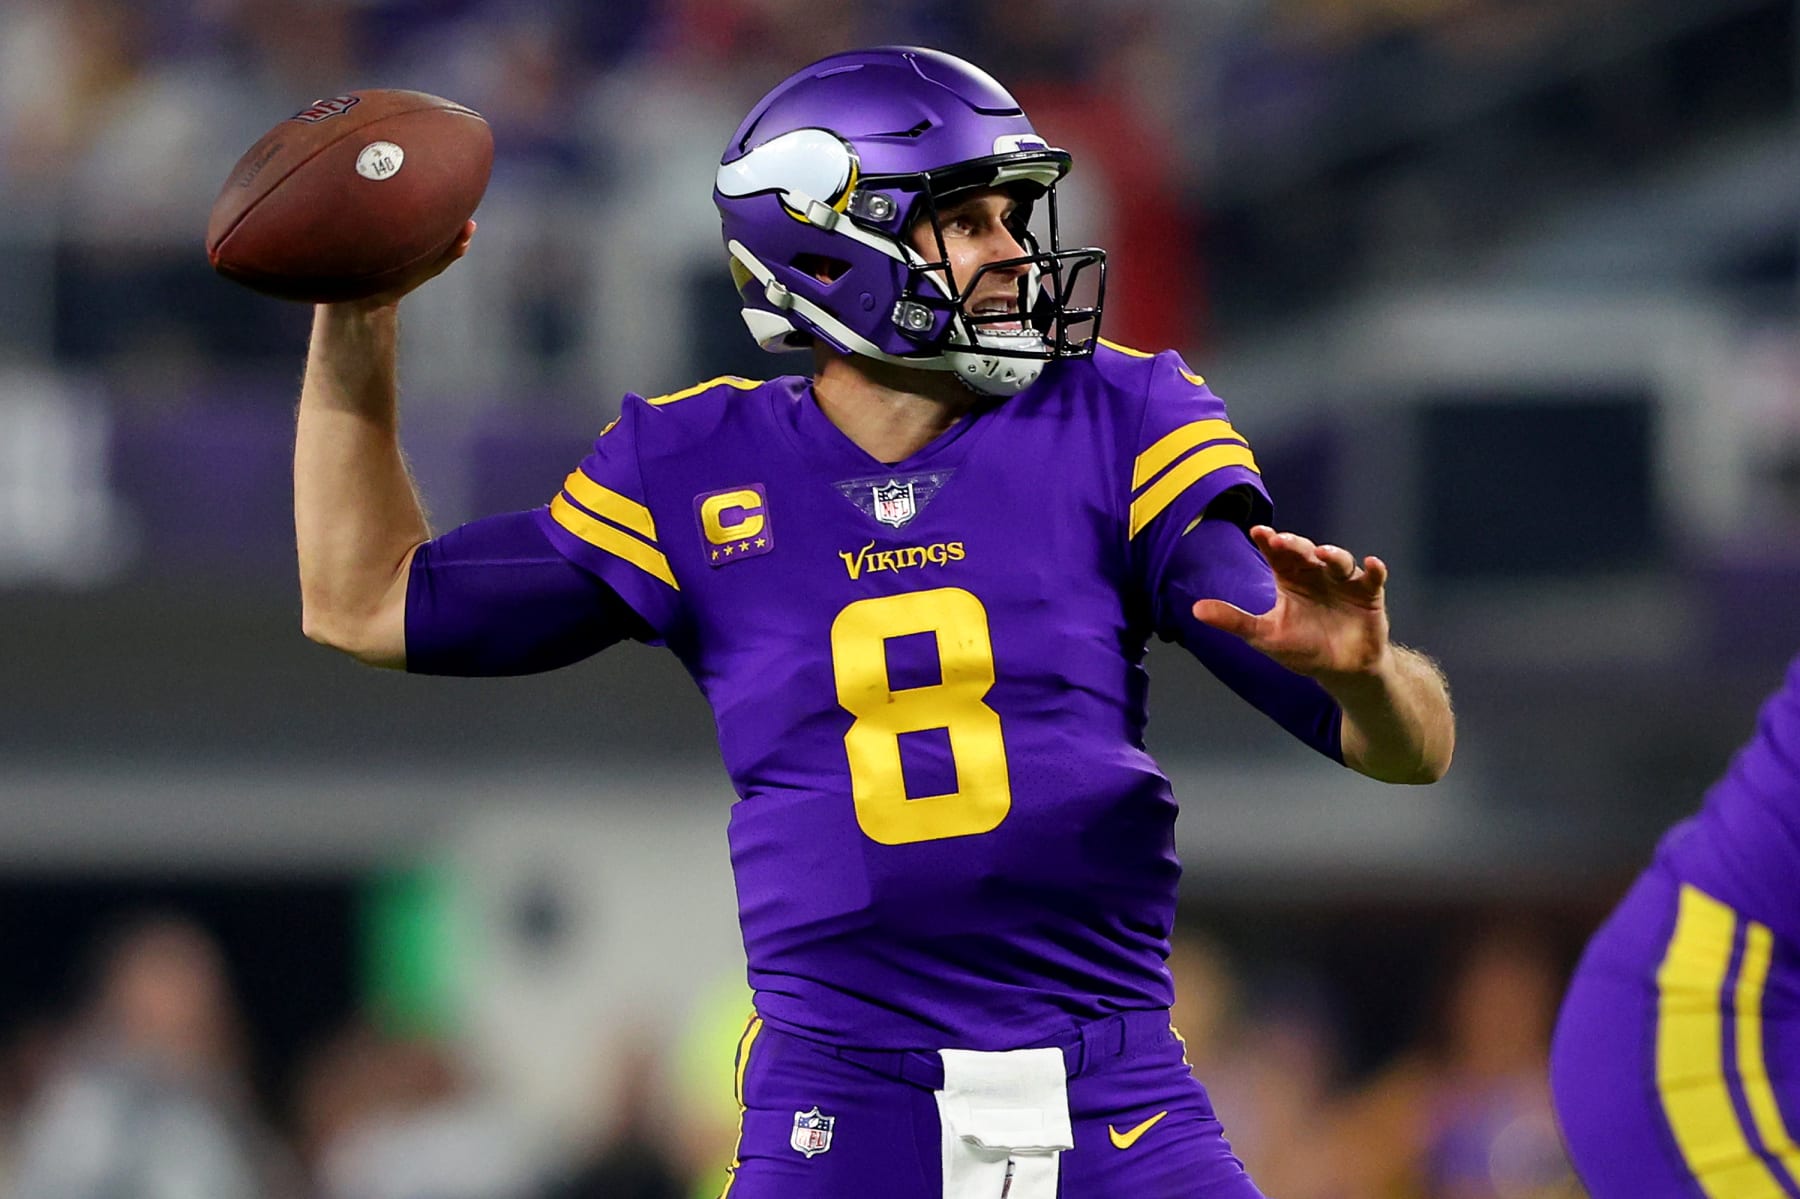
[732, 516]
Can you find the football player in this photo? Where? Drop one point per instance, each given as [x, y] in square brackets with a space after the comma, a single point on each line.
[916, 587]
[1676, 1063]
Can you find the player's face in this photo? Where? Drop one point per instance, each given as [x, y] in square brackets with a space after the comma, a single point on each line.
[979, 227]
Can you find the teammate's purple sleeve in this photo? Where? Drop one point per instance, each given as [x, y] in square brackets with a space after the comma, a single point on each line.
[494, 597]
[1217, 560]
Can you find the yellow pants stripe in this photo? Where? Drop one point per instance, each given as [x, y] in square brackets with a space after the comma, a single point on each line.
[742, 1067]
[1690, 1050]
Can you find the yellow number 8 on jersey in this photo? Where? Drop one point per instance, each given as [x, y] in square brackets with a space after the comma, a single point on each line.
[859, 638]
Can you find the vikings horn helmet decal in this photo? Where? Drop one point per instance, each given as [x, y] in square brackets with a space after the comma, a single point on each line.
[821, 183]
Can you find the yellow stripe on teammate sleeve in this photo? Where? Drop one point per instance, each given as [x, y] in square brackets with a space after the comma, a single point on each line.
[1690, 1052]
[604, 501]
[1753, 1067]
[616, 542]
[1159, 495]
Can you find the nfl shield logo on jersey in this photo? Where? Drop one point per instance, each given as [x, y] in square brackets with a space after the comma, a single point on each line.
[894, 502]
[812, 1132]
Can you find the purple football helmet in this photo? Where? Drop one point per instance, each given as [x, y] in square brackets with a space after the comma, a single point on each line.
[822, 181]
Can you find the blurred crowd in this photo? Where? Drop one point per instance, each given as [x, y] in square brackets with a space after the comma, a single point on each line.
[1461, 1110]
[147, 1090]
[118, 119]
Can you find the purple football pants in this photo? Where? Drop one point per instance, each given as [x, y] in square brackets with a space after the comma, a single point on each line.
[884, 1135]
[1676, 1062]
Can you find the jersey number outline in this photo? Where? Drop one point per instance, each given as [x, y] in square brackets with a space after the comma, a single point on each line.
[957, 703]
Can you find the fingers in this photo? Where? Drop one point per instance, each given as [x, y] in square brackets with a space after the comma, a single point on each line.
[456, 250]
[1297, 558]
[1295, 551]
[1340, 564]
[425, 274]
[461, 245]
[1227, 618]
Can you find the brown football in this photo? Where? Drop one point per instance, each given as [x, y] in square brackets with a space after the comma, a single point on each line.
[344, 198]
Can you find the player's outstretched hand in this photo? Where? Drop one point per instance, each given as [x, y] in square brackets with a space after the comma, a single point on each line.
[1330, 614]
[425, 273]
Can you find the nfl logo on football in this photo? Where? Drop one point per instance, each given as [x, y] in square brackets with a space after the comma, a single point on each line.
[894, 502]
[812, 1132]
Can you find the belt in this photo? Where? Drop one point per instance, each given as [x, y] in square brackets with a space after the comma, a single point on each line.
[1084, 1048]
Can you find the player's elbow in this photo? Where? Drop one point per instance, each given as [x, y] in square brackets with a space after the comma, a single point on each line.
[323, 627]
[363, 616]
[1414, 774]
[1428, 771]
[360, 639]
[1414, 766]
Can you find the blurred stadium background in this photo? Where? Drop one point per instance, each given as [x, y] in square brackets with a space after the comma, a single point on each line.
[1502, 290]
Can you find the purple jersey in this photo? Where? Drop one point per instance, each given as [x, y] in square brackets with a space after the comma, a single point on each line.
[928, 683]
[1743, 847]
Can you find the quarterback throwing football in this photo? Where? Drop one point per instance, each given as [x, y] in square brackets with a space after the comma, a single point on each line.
[916, 588]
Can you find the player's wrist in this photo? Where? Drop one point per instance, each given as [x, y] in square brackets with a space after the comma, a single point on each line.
[1370, 677]
[375, 308]
[350, 330]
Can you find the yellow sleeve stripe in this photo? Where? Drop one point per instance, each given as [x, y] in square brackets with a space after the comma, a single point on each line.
[1691, 1071]
[1192, 469]
[616, 542]
[604, 501]
[1173, 445]
[696, 389]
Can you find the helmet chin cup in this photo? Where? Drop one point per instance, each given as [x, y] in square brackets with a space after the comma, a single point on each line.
[993, 375]
[770, 329]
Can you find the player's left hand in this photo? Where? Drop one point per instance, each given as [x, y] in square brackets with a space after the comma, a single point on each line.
[1330, 615]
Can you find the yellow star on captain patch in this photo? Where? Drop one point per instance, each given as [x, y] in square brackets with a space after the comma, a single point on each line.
[761, 542]
[743, 545]
[728, 551]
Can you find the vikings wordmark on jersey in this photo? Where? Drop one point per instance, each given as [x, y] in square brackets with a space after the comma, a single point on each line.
[906, 557]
